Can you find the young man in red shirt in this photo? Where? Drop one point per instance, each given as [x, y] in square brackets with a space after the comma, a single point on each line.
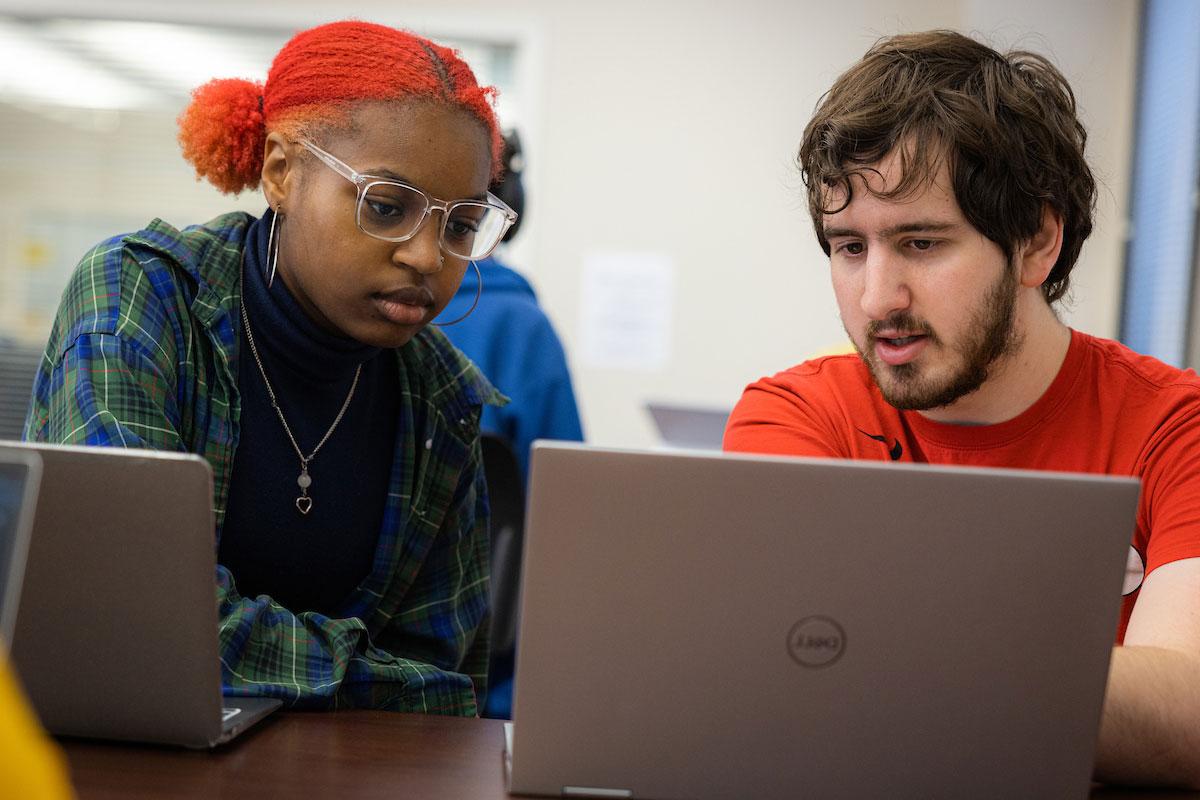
[948, 185]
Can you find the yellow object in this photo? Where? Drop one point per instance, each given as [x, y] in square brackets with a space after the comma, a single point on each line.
[35, 253]
[844, 349]
[31, 765]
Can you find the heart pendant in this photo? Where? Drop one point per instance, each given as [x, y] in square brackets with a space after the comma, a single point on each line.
[304, 504]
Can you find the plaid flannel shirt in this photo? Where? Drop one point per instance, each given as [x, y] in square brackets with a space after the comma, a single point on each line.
[144, 353]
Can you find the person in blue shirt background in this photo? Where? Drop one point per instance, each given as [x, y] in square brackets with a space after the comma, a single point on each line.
[509, 337]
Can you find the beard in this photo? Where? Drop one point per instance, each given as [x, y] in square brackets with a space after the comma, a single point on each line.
[990, 335]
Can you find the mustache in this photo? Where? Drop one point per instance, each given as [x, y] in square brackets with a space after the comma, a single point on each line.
[901, 320]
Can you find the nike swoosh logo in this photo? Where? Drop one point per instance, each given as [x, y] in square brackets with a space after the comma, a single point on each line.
[895, 451]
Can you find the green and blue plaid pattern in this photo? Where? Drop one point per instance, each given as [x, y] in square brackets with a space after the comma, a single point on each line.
[144, 353]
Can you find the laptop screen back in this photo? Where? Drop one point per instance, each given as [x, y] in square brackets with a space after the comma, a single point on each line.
[19, 474]
[116, 637]
[719, 627]
[689, 427]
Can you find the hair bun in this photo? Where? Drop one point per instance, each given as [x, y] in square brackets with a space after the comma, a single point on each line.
[222, 133]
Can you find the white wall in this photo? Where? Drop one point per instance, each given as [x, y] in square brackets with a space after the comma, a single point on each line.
[1095, 45]
[670, 127]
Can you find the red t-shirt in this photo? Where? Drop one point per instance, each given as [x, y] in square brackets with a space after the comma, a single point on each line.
[1109, 411]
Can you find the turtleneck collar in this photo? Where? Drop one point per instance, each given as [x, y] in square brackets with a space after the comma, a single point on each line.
[285, 336]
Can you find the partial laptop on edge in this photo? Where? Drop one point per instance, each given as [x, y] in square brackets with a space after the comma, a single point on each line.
[712, 627]
[20, 476]
[116, 635]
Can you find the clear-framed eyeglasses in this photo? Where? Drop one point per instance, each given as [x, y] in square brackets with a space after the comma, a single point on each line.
[395, 212]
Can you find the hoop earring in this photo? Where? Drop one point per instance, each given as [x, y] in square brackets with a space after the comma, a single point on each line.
[273, 249]
[478, 292]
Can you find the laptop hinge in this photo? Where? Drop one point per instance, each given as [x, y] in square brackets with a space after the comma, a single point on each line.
[593, 791]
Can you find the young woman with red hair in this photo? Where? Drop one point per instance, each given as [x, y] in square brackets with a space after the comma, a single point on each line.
[292, 352]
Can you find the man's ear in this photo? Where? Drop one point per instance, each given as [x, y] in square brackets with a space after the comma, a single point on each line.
[1040, 253]
[278, 170]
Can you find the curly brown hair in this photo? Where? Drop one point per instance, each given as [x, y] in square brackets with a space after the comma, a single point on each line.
[1005, 124]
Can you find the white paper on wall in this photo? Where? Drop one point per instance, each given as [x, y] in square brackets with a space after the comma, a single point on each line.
[626, 307]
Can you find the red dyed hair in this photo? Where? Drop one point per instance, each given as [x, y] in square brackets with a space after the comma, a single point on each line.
[315, 80]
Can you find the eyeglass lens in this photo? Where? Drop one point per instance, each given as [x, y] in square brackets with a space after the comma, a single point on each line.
[394, 211]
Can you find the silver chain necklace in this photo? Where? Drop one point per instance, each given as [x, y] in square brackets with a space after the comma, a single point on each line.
[304, 480]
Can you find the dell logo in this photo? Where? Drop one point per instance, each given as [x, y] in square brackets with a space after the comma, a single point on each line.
[816, 642]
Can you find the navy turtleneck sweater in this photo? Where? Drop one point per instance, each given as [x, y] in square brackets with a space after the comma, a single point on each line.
[306, 562]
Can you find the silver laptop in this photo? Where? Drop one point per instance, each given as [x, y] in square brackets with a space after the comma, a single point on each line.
[721, 627]
[117, 632]
[691, 427]
[20, 475]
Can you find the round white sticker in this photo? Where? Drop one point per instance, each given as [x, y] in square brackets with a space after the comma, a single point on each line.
[1135, 571]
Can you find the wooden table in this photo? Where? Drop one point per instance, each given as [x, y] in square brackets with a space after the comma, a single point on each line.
[352, 754]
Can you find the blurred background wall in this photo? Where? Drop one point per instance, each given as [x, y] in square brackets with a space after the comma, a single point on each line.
[666, 230]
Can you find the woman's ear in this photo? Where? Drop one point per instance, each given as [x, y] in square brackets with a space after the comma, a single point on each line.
[278, 170]
[1040, 253]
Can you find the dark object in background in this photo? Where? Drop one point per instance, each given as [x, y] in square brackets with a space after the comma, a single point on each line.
[509, 187]
[18, 364]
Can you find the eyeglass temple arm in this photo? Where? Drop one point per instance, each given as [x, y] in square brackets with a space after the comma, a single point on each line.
[333, 162]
